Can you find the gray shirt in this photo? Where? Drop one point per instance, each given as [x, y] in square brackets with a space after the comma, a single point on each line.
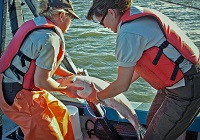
[135, 37]
[42, 45]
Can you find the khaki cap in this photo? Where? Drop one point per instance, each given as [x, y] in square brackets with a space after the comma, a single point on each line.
[65, 4]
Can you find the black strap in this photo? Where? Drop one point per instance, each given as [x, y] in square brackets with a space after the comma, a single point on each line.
[160, 52]
[23, 58]
[17, 71]
[91, 131]
[176, 68]
[177, 62]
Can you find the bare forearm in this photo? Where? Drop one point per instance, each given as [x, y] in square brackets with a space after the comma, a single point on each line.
[42, 79]
[112, 90]
[49, 84]
[121, 84]
[63, 72]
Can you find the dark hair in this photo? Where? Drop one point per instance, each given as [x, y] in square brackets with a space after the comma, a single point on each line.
[100, 7]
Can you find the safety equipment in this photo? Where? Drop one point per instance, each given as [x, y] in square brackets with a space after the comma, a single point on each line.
[154, 66]
[13, 49]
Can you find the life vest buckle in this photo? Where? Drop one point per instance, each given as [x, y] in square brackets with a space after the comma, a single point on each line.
[23, 58]
[160, 52]
[17, 71]
[179, 60]
[176, 68]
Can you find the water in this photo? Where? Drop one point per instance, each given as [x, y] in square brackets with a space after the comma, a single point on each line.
[92, 47]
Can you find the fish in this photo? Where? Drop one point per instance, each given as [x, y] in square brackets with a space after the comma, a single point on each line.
[119, 103]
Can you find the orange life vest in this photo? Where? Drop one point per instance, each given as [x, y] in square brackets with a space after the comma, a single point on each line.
[155, 67]
[14, 46]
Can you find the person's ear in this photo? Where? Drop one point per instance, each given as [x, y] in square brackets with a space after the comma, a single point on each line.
[112, 12]
[61, 16]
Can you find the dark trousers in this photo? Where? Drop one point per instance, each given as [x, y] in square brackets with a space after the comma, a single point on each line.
[173, 110]
[10, 90]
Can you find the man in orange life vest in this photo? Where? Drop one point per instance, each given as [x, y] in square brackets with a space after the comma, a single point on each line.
[27, 65]
[151, 46]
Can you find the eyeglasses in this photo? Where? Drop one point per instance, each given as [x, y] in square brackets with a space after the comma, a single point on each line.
[101, 22]
[70, 15]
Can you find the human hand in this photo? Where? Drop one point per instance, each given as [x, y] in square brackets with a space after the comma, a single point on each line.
[93, 96]
[71, 91]
[65, 81]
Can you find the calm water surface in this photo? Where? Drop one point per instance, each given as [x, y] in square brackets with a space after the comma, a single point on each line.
[92, 47]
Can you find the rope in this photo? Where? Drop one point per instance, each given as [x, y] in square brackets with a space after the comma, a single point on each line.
[181, 4]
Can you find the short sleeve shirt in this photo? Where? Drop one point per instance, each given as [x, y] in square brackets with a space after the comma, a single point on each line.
[42, 45]
[135, 37]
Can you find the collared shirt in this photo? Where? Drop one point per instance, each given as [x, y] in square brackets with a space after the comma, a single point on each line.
[135, 37]
[42, 45]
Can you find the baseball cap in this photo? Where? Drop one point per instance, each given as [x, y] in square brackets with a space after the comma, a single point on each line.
[64, 4]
